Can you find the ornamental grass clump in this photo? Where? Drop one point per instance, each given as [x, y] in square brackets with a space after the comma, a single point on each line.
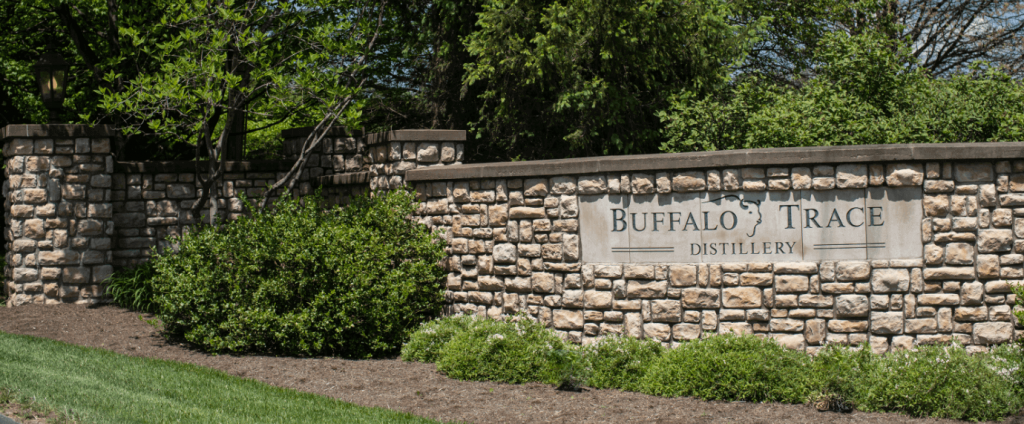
[511, 350]
[304, 279]
[730, 367]
[620, 362]
[942, 382]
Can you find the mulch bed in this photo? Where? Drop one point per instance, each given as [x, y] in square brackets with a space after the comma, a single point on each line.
[411, 387]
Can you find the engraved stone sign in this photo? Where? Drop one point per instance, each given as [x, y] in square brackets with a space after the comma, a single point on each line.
[740, 226]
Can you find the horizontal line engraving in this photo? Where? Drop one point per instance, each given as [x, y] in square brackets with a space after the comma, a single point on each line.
[852, 244]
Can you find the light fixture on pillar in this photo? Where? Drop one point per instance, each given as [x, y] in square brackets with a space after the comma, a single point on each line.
[51, 75]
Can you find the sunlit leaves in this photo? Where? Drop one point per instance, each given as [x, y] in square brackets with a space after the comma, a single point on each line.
[273, 60]
[591, 74]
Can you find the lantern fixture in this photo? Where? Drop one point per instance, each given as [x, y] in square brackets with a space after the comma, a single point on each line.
[51, 75]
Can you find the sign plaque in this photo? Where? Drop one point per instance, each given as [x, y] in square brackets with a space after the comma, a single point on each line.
[744, 226]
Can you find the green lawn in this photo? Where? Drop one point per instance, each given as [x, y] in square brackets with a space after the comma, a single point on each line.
[105, 387]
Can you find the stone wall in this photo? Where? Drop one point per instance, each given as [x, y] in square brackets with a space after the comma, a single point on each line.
[517, 237]
[153, 200]
[514, 232]
[74, 214]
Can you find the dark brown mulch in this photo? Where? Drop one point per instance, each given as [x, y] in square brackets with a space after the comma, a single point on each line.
[411, 387]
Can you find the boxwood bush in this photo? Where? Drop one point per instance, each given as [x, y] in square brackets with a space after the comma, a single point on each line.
[304, 279]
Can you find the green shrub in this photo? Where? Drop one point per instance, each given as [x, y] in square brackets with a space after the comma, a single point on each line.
[303, 279]
[568, 367]
[1007, 360]
[132, 288]
[621, 362]
[728, 367]
[425, 344]
[942, 382]
[511, 350]
[835, 373]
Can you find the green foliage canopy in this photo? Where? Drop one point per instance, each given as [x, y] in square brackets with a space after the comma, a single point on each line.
[593, 73]
[864, 93]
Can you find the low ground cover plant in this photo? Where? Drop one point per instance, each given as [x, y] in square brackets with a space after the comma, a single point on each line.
[297, 279]
[17, 406]
[425, 344]
[937, 381]
[621, 362]
[513, 350]
[729, 367]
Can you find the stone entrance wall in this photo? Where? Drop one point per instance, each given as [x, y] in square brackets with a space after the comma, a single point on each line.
[517, 234]
[74, 214]
[514, 232]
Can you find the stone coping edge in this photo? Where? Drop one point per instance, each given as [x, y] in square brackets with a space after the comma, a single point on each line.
[56, 130]
[188, 166]
[416, 135]
[345, 179]
[783, 156]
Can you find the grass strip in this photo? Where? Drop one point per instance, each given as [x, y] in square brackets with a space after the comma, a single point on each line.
[106, 387]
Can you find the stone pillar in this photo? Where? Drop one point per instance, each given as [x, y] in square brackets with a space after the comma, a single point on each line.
[392, 153]
[58, 213]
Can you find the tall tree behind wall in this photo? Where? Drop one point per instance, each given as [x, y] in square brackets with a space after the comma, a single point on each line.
[947, 35]
[586, 77]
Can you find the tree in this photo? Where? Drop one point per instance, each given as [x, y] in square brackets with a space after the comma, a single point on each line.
[223, 60]
[586, 77]
[865, 91]
[946, 36]
[783, 52]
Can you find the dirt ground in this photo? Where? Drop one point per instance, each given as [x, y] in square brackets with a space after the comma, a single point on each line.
[412, 387]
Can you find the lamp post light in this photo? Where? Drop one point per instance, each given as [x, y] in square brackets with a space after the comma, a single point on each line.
[51, 74]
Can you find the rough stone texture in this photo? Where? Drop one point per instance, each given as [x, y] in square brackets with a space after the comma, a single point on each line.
[851, 306]
[890, 280]
[568, 320]
[696, 298]
[987, 333]
[994, 241]
[886, 322]
[741, 297]
[852, 271]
